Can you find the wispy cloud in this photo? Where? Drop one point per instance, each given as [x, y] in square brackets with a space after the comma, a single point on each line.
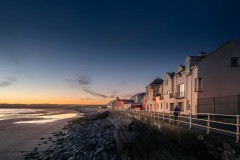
[7, 81]
[97, 94]
[83, 80]
[80, 80]
[94, 93]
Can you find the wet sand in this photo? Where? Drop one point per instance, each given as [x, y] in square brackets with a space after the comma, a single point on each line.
[16, 140]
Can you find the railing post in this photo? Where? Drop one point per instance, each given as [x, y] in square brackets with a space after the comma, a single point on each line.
[169, 117]
[237, 134]
[208, 123]
[178, 118]
[190, 119]
[163, 117]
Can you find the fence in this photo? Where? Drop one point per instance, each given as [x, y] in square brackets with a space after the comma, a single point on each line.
[220, 105]
[219, 123]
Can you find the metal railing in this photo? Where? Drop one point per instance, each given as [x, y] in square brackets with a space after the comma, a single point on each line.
[218, 123]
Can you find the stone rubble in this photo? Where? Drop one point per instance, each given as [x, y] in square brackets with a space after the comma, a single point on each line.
[83, 138]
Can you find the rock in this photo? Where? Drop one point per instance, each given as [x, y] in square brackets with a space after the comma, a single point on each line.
[200, 137]
[228, 152]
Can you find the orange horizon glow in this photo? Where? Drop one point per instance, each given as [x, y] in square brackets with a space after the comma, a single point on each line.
[57, 101]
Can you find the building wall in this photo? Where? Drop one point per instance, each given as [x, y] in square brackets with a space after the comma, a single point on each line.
[168, 92]
[151, 92]
[180, 79]
[219, 78]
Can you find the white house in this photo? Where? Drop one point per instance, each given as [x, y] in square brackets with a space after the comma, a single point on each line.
[151, 92]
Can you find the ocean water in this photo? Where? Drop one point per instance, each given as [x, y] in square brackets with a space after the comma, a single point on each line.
[34, 115]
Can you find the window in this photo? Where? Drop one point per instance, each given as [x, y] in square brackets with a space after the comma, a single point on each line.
[166, 82]
[198, 84]
[235, 61]
[180, 90]
[166, 105]
[161, 105]
[188, 104]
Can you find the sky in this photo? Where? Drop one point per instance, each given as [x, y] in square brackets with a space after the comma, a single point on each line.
[90, 51]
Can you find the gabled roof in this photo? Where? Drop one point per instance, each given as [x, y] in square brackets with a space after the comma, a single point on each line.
[157, 81]
[127, 101]
[180, 68]
[140, 94]
[232, 41]
[171, 75]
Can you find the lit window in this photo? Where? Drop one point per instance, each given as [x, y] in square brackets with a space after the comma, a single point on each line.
[180, 90]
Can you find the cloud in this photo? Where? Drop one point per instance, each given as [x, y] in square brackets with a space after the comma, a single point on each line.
[97, 94]
[80, 80]
[83, 80]
[86, 99]
[7, 82]
[94, 93]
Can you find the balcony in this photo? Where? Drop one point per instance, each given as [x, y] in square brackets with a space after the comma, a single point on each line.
[160, 96]
[179, 94]
[171, 95]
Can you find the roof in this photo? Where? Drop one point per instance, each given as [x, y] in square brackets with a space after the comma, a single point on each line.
[110, 103]
[171, 75]
[180, 68]
[127, 101]
[140, 94]
[231, 41]
[157, 81]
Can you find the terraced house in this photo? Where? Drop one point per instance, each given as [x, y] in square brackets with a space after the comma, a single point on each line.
[206, 84]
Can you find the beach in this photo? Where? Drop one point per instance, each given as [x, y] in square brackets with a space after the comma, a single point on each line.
[19, 138]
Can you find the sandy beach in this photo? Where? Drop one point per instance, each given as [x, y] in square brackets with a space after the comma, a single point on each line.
[16, 140]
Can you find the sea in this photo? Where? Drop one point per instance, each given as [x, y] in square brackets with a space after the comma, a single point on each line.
[35, 115]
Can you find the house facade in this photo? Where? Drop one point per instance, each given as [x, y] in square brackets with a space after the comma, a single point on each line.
[206, 84]
[151, 93]
[137, 98]
[120, 104]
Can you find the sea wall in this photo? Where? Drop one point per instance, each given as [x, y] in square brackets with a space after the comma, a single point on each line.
[199, 145]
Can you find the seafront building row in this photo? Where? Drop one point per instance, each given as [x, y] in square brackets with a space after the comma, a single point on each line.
[207, 83]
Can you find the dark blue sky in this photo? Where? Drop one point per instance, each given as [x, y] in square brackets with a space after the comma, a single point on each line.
[90, 51]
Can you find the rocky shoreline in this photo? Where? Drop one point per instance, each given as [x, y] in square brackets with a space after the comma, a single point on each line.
[114, 136]
[89, 137]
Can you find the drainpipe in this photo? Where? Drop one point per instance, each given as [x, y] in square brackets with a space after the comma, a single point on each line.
[238, 103]
[213, 107]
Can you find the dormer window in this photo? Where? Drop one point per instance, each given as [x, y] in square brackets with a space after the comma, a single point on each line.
[235, 62]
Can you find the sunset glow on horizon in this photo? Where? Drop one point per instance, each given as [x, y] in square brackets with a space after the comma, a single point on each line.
[90, 52]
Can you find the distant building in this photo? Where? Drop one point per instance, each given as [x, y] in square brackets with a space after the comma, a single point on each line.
[110, 105]
[151, 92]
[144, 102]
[138, 97]
[137, 105]
[121, 104]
